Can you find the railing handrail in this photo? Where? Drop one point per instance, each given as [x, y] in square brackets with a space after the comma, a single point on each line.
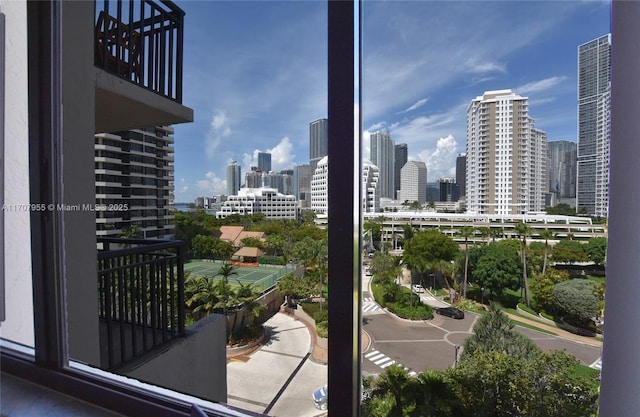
[142, 42]
[144, 246]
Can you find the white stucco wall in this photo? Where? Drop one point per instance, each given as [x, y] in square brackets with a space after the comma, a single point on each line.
[18, 326]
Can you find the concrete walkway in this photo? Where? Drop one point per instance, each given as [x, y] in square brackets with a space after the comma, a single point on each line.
[556, 330]
[278, 378]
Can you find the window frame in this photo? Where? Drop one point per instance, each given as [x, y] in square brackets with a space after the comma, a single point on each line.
[49, 365]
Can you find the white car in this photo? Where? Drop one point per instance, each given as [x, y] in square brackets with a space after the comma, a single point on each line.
[417, 288]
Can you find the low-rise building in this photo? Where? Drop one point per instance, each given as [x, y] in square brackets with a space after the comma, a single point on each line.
[260, 200]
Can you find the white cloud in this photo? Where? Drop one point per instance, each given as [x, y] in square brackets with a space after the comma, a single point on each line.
[219, 129]
[183, 187]
[212, 185]
[415, 106]
[538, 86]
[441, 160]
[281, 156]
[474, 66]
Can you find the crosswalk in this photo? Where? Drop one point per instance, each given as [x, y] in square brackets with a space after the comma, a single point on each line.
[597, 364]
[383, 361]
[369, 305]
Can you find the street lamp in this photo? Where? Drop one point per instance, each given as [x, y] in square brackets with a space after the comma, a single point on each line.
[455, 360]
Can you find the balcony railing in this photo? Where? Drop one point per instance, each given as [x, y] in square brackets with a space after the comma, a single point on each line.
[141, 41]
[141, 297]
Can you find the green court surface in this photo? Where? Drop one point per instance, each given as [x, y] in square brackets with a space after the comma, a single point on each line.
[260, 277]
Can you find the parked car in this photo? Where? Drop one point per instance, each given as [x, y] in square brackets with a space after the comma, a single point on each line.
[417, 288]
[450, 312]
[320, 397]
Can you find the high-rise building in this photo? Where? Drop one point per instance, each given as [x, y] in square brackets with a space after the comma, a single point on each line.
[461, 174]
[401, 157]
[506, 169]
[383, 156]
[253, 178]
[302, 175]
[234, 178]
[320, 187]
[563, 159]
[594, 126]
[264, 161]
[448, 190]
[134, 170]
[413, 182]
[318, 140]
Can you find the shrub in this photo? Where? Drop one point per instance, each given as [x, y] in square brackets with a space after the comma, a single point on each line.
[322, 328]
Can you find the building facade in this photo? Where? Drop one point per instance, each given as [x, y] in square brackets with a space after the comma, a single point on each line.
[318, 140]
[563, 159]
[383, 156]
[448, 190]
[371, 192]
[253, 178]
[461, 174]
[401, 157]
[594, 126]
[234, 178]
[320, 187]
[134, 171]
[413, 182]
[506, 167]
[302, 175]
[264, 161]
[267, 201]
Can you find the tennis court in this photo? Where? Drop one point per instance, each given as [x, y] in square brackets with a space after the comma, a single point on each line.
[260, 277]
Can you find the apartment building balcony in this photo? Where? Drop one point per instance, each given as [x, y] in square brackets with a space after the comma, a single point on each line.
[138, 59]
[141, 297]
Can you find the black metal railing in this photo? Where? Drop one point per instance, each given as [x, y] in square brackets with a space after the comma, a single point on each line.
[141, 41]
[141, 297]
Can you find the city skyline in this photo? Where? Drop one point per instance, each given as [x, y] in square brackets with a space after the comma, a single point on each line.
[251, 96]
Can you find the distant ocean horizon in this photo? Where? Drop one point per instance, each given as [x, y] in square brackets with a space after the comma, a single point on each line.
[185, 208]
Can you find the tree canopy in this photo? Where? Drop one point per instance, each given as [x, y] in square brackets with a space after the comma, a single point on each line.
[576, 299]
[497, 267]
[427, 246]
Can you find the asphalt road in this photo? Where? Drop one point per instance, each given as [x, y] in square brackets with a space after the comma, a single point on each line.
[431, 344]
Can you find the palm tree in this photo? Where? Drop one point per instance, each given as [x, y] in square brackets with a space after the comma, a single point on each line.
[466, 232]
[226, 271]
[523, 231]
[200, 296]
[395, 382]
[546, 234]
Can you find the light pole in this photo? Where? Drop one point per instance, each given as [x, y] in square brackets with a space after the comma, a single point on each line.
[455, 360]
[482, 295]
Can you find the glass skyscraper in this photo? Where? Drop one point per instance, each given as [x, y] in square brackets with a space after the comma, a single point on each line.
[594, 126]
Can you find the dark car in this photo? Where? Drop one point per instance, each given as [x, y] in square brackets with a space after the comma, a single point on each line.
[450, 312]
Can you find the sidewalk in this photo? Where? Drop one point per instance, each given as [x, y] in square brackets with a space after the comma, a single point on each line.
[556, 330]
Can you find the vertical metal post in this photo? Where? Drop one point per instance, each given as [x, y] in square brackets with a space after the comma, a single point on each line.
[44, 22]
[2, 65]
[620, 360]
[344, 211]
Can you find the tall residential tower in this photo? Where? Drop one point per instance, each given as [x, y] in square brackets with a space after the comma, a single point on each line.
[318, 141]
[234, 178]
[594, 125]
[506, 156]
[383, 156]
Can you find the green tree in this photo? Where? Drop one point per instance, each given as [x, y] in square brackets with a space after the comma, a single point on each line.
[497, 268]
[200, 296]
[569, 252]
[495, 384]
[293, 287]
[202, 247]
[561, 209]
[494, 332]
[252, 242]
[546, 234]
[576, 299]
[466, 232]
[542, 288]
[523, 231]
[596, 250]
[392, 387]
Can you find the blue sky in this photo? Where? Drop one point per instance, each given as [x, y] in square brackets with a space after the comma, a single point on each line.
[255, 75]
